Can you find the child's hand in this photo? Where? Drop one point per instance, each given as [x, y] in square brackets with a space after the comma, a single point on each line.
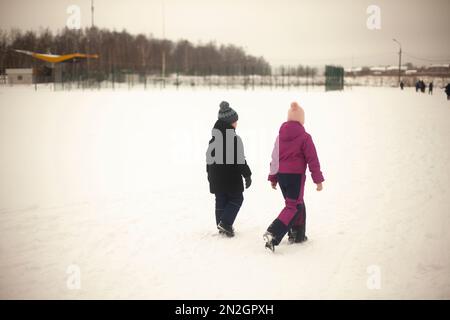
[274, 185]
[319, 186]
[248, 182]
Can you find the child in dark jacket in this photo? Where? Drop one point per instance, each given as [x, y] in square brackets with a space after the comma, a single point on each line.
[226, 165]
[293, 151]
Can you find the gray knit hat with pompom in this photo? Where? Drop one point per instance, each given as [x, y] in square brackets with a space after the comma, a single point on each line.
[227, 114]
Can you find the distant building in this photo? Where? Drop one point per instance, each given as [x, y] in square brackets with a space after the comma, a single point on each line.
[20, 76]
[439, 74]
[57, 68]
[353, 70]
[437, 69]
[411, 72]
[393, 70]
[377, 70]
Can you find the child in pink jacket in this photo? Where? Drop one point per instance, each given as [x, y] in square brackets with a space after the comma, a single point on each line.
[293, 151]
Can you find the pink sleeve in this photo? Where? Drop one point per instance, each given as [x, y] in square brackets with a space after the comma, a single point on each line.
[313, 161]
[274, 164]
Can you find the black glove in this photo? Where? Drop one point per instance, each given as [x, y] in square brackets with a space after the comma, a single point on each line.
[248, 182]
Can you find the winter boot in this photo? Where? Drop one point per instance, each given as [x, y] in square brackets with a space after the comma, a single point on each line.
[268, 237]
[296, 234]
[292, 235]
[226, 229]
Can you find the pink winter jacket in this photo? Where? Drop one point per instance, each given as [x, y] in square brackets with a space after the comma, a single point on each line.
[293, 150]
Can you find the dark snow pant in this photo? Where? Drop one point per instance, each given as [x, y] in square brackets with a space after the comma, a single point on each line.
[293, 215]
[227, 207]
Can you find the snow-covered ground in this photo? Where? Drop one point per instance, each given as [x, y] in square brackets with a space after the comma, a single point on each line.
[112, 186]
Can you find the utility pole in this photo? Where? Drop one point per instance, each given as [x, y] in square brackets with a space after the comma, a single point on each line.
[163, 64]
[92, 13]
[399, 60]
[353, 74]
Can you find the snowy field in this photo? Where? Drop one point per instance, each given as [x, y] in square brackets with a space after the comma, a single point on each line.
[111, 186]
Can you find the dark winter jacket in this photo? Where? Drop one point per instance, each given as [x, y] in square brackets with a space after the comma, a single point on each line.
[226, 176]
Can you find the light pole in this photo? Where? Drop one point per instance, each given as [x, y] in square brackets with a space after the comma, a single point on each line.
[399, 59]
[163, 62]
[92, 13]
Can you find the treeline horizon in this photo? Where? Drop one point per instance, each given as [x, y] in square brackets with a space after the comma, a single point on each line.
[120, 51]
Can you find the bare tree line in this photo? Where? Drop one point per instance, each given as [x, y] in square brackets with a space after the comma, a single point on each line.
[122, 53]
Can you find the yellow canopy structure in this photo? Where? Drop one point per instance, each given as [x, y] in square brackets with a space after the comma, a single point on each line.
[52, 58]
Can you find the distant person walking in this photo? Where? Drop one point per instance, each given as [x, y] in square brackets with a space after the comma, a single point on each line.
[401, 85]
[422, 86]
[430, 88]
[417, 86]
[447, 91]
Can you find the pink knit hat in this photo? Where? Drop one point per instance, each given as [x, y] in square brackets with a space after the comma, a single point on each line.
[296, 113]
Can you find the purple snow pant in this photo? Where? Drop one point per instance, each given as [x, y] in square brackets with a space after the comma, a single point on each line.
[293, 214]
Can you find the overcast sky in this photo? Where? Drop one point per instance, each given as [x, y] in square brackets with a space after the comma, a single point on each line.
[283, 31]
